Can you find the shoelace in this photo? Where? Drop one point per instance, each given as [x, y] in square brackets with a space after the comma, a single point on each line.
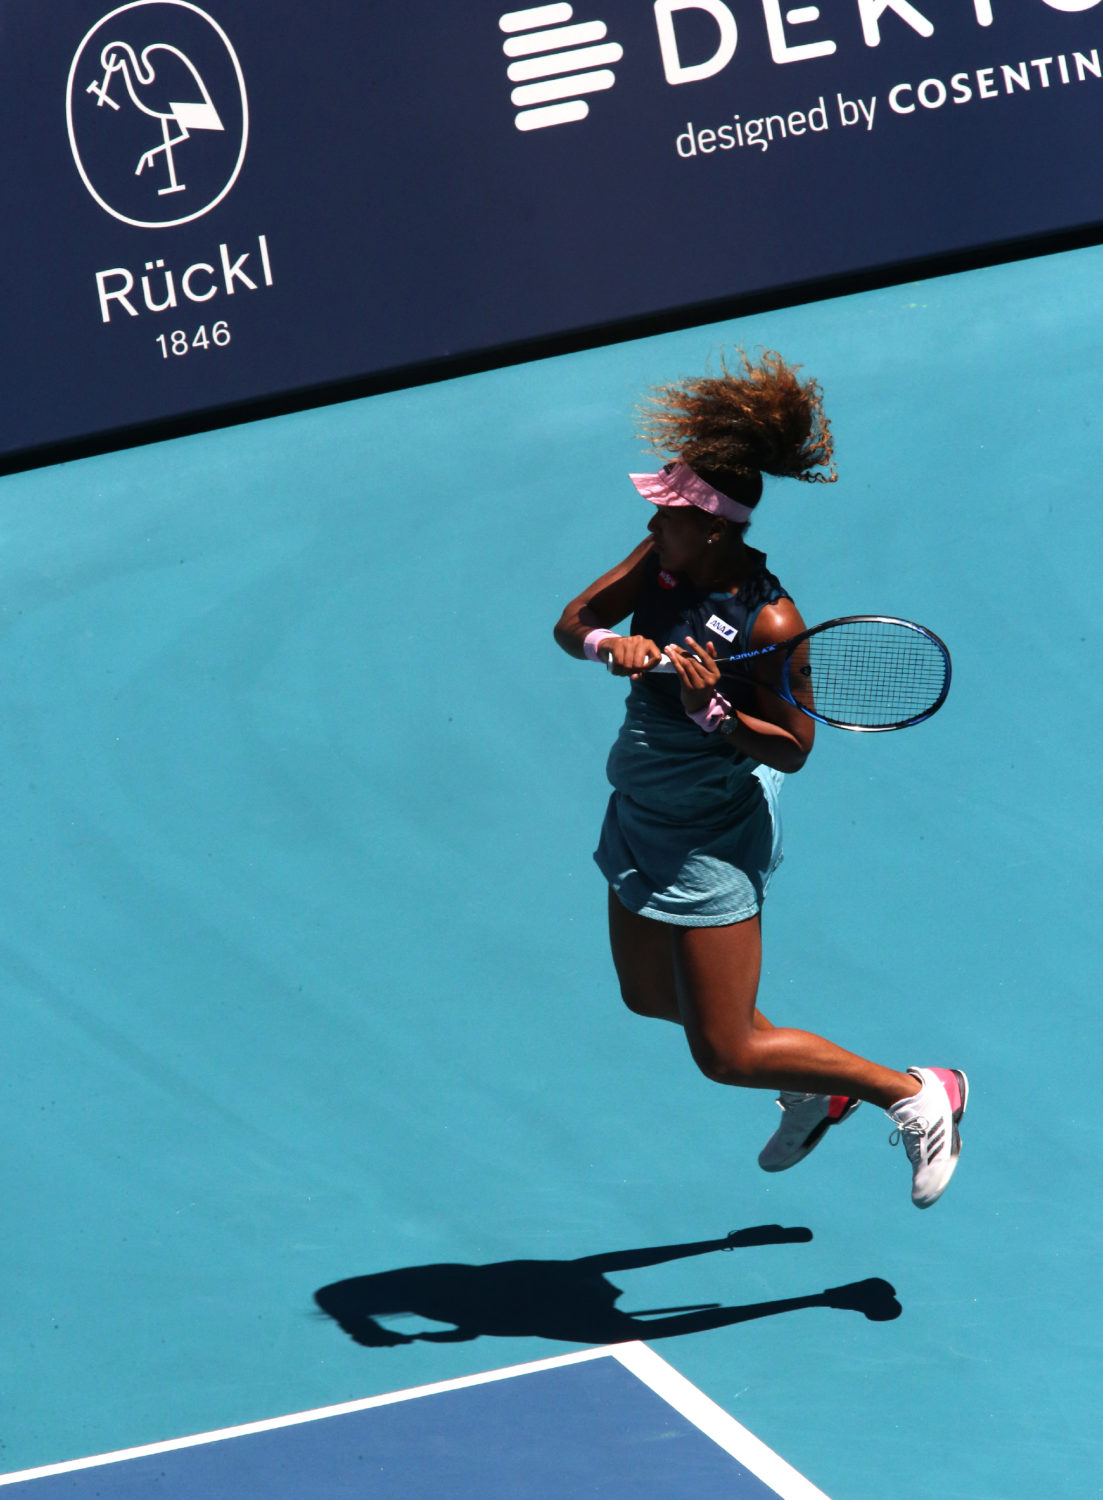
[911, 1133]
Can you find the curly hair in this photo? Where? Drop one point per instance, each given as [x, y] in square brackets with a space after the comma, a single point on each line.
[733, 428]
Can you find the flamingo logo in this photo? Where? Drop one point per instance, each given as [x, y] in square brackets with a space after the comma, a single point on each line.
[151, 144]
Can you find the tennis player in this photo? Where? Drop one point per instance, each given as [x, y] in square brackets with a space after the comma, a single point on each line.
[691, 836]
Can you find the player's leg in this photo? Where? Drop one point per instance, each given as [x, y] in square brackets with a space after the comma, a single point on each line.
[716, 971]
[644, 962]
[643, 955]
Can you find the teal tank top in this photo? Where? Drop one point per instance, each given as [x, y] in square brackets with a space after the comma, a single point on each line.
[661, 759]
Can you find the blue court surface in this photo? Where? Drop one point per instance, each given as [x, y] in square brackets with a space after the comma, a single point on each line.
[316, 1083]
[617, 1423]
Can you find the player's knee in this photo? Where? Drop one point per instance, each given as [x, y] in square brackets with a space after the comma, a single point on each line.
[730, 1060]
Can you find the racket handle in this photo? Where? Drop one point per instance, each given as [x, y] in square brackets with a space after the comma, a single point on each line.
[664, 664]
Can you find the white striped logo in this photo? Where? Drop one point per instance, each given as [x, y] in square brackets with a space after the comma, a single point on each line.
[553, 62]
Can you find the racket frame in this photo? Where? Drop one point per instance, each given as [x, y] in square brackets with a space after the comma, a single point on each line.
[785, 649]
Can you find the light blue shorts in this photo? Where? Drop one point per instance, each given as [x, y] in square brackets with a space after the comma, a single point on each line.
[700, 875]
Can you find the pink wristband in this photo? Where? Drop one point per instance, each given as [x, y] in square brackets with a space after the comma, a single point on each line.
[594, 639]
[717, 709]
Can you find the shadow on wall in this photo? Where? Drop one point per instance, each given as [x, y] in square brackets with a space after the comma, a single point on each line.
[567, 1300]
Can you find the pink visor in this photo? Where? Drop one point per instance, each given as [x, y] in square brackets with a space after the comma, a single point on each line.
[677, 484]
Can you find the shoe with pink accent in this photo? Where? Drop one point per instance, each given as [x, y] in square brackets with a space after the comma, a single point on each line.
[805, 1121]
[927, 1123]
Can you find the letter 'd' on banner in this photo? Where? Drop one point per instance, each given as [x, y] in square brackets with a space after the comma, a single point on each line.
[673, 67]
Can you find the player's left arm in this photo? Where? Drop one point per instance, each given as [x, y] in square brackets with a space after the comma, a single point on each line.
[782, 734]
[774, 732]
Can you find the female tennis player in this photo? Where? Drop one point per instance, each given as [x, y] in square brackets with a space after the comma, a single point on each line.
[691, 836]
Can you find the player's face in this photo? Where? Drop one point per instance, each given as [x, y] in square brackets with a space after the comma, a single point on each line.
[681, 536]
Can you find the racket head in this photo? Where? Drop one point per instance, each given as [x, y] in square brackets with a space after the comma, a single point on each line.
[867, 673]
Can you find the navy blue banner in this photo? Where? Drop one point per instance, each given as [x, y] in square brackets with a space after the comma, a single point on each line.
[207, 204]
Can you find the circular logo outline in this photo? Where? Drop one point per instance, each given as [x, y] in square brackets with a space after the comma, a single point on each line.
[74, 148]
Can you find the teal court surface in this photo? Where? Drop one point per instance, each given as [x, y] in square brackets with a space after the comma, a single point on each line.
[305, 968]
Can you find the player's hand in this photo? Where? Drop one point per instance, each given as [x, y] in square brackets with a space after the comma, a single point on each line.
[766, 1234]
[629, 655]
[372, 1335]
[698, 673]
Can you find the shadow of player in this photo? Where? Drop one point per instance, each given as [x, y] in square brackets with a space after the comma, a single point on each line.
[567, 1300]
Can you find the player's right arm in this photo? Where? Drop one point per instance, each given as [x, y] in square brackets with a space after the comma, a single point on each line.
[609, 600]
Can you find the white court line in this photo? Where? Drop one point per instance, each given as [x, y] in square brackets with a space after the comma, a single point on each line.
[272, 1423]
[715, 1422]
[636, 1357]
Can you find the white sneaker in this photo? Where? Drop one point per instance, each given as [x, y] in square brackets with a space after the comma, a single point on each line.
[805, 1120]
[928, 1123]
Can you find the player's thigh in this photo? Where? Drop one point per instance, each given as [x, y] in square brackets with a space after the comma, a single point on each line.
[716, 972]
[642, 955]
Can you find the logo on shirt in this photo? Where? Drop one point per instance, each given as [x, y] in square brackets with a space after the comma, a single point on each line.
[721, 627]
[667, 580]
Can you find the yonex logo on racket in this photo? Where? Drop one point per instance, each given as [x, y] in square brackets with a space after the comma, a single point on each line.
[554, 62]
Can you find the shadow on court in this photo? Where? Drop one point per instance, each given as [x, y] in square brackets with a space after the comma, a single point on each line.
[568, 1300]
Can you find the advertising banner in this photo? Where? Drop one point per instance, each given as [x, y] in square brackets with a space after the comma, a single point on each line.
[207, 204]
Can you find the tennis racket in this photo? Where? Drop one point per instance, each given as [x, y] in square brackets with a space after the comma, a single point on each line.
[863, 672]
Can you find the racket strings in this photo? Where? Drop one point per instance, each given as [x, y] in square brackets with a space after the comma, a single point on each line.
[870, 674]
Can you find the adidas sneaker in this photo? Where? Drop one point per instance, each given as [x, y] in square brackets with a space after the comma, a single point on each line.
[806, 1118]
[928, 1124]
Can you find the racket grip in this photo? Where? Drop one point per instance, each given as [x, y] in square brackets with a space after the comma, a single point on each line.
[664, 664]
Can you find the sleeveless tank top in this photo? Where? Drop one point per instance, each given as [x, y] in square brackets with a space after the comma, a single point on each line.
[661, 758]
